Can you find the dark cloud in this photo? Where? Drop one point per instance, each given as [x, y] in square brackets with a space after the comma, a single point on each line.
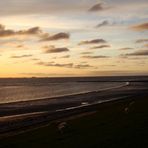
[53, 49]
[21, 56]
[86, 52]
[141, 40]
[6, 32]
[9, 32]
[44, 63]
[140, 27]
[139, 58]
[104, 23]
[20, 46]
[36, 31]
[126, 48]
[137, 53]
[58, 36]
[31, 31]
[95, 41]
[52, 64]
[102, 46]
[95, 57]
[83, 66]
[2, 27]
[67, 65]
[97, 7]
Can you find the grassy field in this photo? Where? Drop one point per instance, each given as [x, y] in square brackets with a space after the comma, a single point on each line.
[120, 124]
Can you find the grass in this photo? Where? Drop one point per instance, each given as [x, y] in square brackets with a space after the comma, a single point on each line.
[120, 124]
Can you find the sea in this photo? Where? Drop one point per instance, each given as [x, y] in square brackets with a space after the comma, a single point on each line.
[25, 89]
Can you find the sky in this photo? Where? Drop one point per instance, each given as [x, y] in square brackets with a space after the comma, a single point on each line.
[64, 38]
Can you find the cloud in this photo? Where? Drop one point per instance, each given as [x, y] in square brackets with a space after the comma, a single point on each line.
[56, 7]
[140, 27]
[146, 45]
[20, 46]
[86, 52]
[35, 59]
[21, 56]
[11, 42]
[53, 49]
[52, 64]
[126, 48]
[141, 40]
[95, 57]
[102, 46]
[137, 53]
[36, 31]
[34, 74]
[95, 41]
[83, 66]
[110, 65]
[97, 7]
[58, 36]
[65, 57]
[37, 74]
[67, 65]
[9, 32]
[2, 27]
[31, 31]
[26, 7]
[104, 23]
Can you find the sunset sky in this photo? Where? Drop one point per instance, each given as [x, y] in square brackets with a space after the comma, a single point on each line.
[73, 38]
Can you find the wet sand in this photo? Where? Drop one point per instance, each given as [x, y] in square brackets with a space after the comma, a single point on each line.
[23, 116]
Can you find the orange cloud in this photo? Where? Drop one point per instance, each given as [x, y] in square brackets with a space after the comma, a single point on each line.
[140, 27]
[146, 45]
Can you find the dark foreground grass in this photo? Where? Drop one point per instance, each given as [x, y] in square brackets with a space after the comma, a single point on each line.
[120, 124]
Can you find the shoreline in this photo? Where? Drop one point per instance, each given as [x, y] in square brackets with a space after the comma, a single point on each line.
[94, 114]
[66, 95]
[43, 119]
[53, 110]
[65, 101]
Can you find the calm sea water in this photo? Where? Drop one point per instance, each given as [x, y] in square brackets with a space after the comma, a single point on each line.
[12, 90]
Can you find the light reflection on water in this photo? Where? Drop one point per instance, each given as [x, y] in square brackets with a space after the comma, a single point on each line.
[31, 91]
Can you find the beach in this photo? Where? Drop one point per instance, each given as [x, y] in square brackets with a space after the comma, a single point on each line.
[20, 119]
[119, 123]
